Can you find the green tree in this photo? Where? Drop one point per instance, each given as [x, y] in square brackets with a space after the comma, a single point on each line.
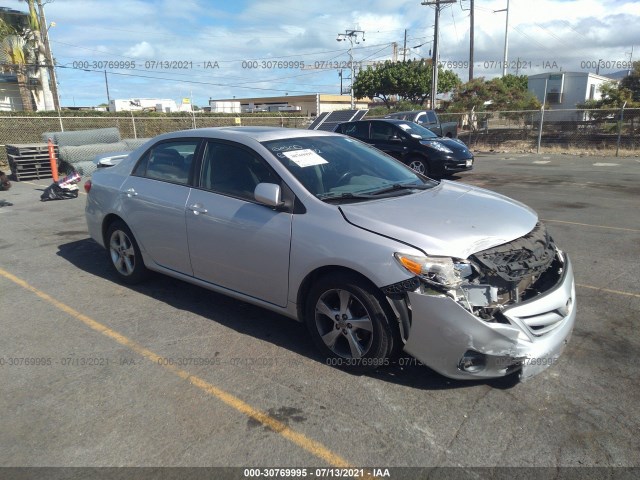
[632, 82]
[505, 93]
[410, 80]
[613, 95]
[515, 82]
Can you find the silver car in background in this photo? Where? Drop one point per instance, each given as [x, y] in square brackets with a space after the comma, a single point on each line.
[373, 257]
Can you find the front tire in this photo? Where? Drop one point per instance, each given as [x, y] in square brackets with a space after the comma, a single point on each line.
[419, 165]
[124, 254]
[348, 323]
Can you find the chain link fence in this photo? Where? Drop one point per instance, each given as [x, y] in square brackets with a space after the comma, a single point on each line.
[18, 130]
[604, 131]
[613, 131]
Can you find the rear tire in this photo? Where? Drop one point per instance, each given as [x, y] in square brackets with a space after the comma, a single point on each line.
[124, 254]
[347, 320]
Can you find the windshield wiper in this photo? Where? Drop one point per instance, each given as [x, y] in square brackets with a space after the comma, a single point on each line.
[400, 186]
[345, 196]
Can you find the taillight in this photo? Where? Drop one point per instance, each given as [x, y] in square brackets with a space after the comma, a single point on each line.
[87, 186]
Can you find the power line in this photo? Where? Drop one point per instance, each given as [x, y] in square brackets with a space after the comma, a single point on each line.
[195, 82]
[128, 57]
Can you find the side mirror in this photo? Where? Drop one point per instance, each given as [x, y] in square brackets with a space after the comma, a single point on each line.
[395, 139]
[268, 194]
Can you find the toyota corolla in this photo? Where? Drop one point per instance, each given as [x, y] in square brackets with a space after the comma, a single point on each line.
[375, 258]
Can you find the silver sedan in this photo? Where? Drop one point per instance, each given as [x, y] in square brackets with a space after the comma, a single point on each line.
[373, 257]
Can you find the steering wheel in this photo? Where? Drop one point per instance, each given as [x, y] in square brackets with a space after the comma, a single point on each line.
[344, 178]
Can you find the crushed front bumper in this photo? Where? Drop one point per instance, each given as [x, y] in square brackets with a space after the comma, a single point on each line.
[452, 341]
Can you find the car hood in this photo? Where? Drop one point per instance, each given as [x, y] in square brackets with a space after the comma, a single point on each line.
[451, 219]
[451, 144]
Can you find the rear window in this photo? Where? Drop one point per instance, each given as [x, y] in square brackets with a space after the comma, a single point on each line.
[417, 131]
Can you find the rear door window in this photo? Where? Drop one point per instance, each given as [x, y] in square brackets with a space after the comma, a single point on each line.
[168, 161]
[359, 130]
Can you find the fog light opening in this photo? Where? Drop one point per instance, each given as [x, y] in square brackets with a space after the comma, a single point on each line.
[472, 362]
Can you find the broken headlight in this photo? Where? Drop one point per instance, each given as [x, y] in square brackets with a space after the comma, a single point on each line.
[441, 272]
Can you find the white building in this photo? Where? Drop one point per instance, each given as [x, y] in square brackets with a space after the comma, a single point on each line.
[143, 104]
[564, 91]
[10, 100]
[307, 105]
[225, 106]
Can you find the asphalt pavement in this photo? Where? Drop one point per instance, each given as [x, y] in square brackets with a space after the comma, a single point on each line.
[94, 373]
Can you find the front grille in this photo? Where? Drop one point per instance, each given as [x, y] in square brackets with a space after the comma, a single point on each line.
[542, 321]
[511, 262]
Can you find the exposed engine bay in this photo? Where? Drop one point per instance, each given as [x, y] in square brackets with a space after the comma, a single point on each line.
[507, 274]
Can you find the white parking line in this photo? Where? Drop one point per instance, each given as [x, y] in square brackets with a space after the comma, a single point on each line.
[604, 164]
[541, 162]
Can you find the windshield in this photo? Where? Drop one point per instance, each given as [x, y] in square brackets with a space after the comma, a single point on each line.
[337, 166]
[417, 131]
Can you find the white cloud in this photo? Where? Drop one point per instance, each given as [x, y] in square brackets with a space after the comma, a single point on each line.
[565, 31]
[142, 50]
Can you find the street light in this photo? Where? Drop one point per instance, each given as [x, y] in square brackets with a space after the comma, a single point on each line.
[352, 36]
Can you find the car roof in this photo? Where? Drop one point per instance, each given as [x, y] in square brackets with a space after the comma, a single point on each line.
[394, 121]
[258, 134]
[401, 113]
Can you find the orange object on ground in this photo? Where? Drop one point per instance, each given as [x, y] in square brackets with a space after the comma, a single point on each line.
[53, 161]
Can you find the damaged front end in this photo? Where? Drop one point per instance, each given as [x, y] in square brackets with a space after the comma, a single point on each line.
[503, 309]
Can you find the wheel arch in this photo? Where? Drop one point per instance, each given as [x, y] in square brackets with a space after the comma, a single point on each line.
[106, 223]
[305, 286]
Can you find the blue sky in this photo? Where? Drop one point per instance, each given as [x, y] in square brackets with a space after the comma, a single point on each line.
[161, 35]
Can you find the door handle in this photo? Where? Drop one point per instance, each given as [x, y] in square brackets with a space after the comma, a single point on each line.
[197, 209]
[131, 193]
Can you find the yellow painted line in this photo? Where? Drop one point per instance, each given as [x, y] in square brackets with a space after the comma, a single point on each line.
[608, 290]
[315, 448]
[590, 225]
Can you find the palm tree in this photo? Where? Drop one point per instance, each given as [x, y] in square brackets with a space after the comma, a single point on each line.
[32, 34]
[15, 55]
[21, 46]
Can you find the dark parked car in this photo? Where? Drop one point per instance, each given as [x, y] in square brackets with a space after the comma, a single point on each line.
[428, 119]
[414, 145]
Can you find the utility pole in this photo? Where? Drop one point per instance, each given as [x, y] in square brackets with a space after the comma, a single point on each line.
[394, 52]
[506, 39]
[352, 36]
[44, 31]
[106, 82]
[404, 47]
[434, 58]
[471, 42]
